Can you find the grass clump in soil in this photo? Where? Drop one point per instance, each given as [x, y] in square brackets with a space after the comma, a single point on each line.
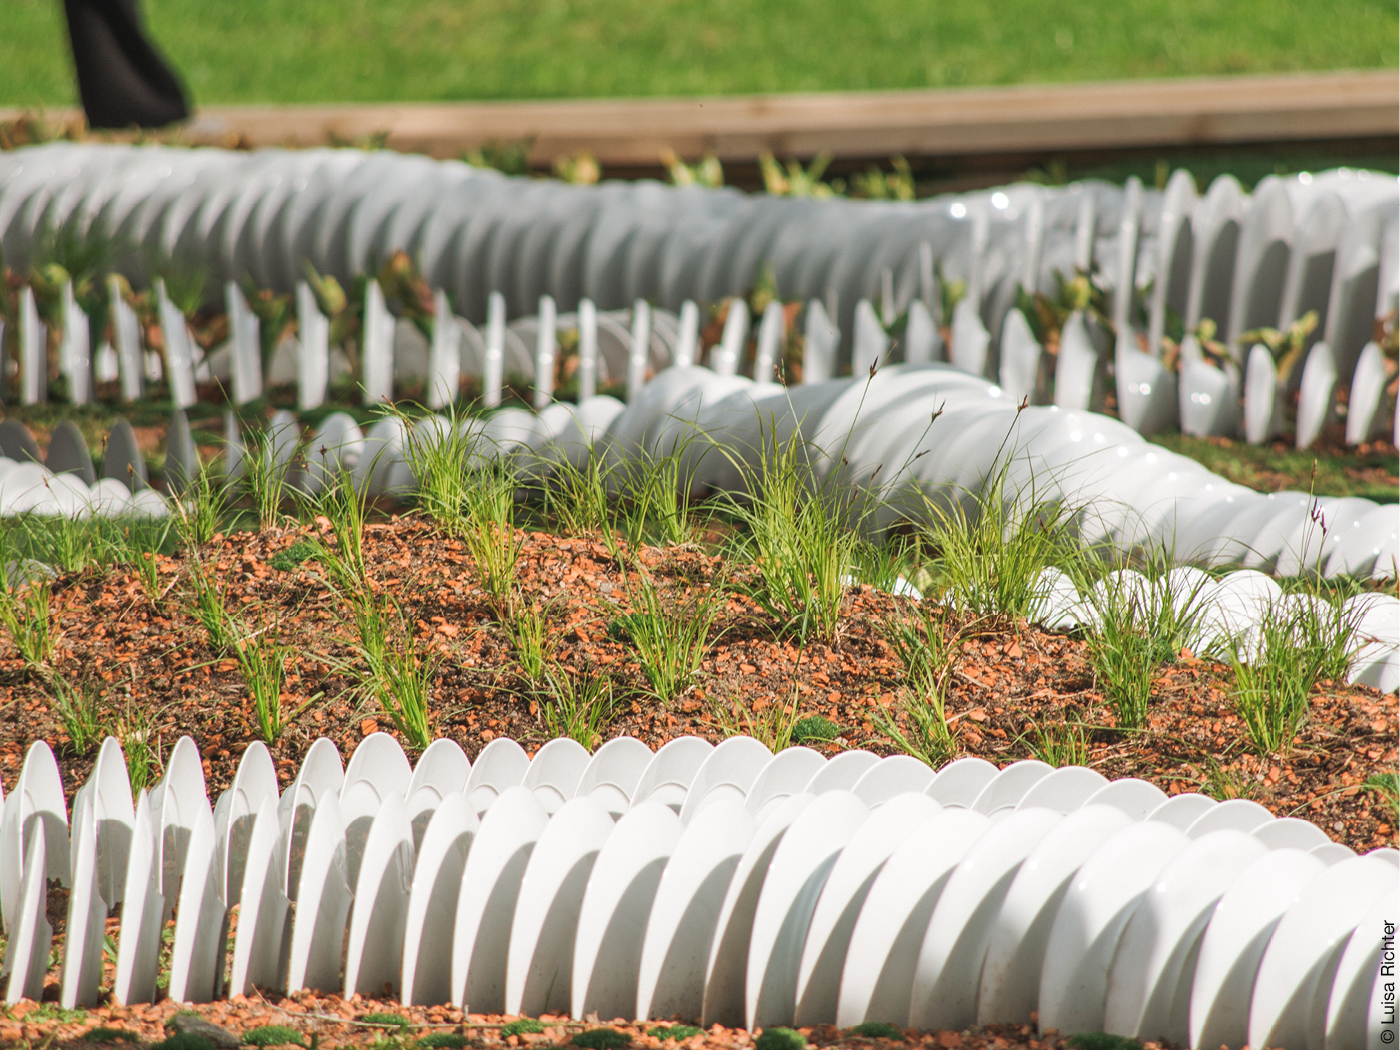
[1386, 785]
[1277, 666]
[990, 550]
[524, 1026]
[798, 541]
[920, 643]
[669, 638]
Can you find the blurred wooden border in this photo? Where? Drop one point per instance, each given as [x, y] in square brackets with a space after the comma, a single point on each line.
[1023, 119]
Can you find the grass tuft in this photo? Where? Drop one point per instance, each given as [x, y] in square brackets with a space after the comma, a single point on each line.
[443, 1041]
[534, 640]
[387, 1019]
[1296, 645]
[345, 508]
[669, 639]
[24, 613]
[577, 704]
[991, 549]
[1057, 744]
[77, 709]
[206, 605]
[487, 527]
[391, 670]
[922, 647]
[262, 662]
[798, 540]
[1387, 786]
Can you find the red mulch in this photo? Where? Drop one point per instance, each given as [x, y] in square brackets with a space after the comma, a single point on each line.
[332, 1022]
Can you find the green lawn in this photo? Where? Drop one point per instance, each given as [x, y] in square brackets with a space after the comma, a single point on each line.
[240, 51]
[1278, 466]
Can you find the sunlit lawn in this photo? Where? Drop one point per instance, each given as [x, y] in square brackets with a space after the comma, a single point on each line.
[367, 50]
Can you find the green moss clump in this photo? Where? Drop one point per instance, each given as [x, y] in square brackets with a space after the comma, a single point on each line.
[602, 1039]
[524, 1026]
[781, 1039]
[289, 559]
[814, 729]
[272, 1035]
[443, 1041]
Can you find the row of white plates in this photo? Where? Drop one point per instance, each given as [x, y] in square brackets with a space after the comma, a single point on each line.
[723, 883]
[912, 438]
[1312, 241]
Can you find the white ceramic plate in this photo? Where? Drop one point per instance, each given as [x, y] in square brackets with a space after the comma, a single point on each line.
[681, 926]
[1158, 947]
[541, 959]
[878, 975]
[1312, 931]
[727, 772]
[613, 773]
[490, 888]
[555, 772]
[949, 967]
[842, 897]
[1100, 901]
[612, 920]
[787, 773]
[796, 876]
[432, 902]
[1234, 942]
[1011, 972]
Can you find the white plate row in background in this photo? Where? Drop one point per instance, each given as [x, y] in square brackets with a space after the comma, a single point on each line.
[721, 883]
[1324, 242]
[911, 439]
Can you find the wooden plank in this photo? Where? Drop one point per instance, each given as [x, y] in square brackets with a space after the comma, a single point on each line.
[952, 122]
[956, 122]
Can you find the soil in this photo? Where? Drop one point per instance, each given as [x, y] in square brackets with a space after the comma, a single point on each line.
[326, 1022]
[159, 679]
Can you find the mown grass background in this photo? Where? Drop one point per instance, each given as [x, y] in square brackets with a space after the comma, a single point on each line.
[267, 51]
